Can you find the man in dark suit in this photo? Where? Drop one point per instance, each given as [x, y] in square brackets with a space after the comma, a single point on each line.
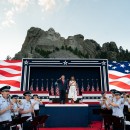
[62, 84]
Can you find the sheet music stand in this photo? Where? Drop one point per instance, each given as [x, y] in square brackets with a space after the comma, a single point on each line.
[39, 120]
[125, 110]
[127, 121]
[127, 115]
[18, 120]
[117, 122]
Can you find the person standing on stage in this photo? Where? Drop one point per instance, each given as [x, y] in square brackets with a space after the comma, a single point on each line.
[5, 107]
[62, 84]
[26, 109]
[36, 102]
[72, 90]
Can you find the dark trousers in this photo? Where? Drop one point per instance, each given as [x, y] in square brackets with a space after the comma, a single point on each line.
[62, 96]
[118, 124]
[36, 112]
[27, 125]
[127, 127]
[4, 127]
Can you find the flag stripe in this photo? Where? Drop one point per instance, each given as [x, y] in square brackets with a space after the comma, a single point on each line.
[4, 73]
[13, 61]
[114, 72]
[10, 82]
[120, 84]
[116, 77]
[117, 88]
[18, 68]
[125, 80]
[17, 78]
[10, 71]
[10, 63]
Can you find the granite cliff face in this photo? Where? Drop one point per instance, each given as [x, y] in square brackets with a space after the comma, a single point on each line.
[50, 44]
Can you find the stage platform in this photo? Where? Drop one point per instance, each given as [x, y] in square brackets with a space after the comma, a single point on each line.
[69, 115]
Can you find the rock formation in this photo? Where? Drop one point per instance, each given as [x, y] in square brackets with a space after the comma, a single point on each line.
[49, 44]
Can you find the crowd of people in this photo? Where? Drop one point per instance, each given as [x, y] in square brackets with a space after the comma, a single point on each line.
[114, 109]
[12, 108]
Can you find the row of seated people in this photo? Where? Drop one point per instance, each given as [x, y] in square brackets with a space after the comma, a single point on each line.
[115, 110]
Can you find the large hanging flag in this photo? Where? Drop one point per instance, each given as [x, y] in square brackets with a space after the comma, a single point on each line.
[119, 75]
[10, 74]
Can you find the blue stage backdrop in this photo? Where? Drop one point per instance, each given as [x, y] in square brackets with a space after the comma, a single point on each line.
[38, 73]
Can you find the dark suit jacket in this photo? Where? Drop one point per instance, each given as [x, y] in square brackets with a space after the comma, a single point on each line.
[61, 85]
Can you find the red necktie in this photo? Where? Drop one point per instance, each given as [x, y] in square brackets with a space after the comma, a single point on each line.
[62, 81]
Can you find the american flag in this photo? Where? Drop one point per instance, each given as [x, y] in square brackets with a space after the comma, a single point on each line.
[88, 87]
[47, 88]
[119, 75]
[77, 88]
[52, 89]
[31, 87]
[57, 90]
[92, 88]
[47, 85]
[97, 88]
[82, 89]
[10, 74]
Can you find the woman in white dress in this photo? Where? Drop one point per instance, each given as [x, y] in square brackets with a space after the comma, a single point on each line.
[72, 89]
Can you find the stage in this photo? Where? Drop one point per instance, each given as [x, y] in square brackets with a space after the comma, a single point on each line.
[69, 115]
